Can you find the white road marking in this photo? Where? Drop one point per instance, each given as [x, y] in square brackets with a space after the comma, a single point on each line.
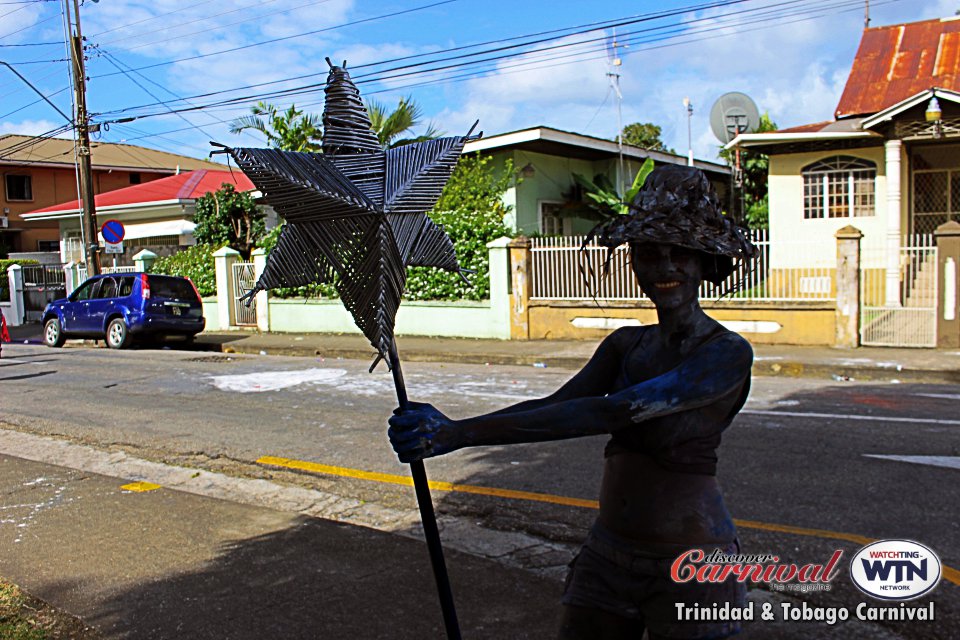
[948, 396]
[951, 462]
[848, 416]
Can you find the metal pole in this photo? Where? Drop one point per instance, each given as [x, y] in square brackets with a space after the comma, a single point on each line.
[689, 106]
[427, 516]
[88, 204]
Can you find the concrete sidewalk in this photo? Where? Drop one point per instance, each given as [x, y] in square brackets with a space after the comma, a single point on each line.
[167, 564]
[865, 363]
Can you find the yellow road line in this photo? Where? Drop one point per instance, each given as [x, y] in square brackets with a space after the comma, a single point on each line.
[950, 574]
[390, 478]
[140, 487]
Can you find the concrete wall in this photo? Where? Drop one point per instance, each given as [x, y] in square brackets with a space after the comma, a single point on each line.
[786, 209]
[780, 323]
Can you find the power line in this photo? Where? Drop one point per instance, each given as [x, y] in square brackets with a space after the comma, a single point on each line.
[290, 37]
[378, 77]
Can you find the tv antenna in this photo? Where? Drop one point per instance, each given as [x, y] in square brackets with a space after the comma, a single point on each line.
[732, 114]
[615, 62]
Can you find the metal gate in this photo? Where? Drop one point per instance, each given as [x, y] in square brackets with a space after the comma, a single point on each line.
[244, 279]
[908, 316]
[41, 284]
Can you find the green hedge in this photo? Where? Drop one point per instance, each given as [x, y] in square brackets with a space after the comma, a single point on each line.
[195, 263]
[4, 281]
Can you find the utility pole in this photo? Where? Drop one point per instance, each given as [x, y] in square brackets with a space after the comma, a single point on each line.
[866, 14]
[689, 107]
[88, 205]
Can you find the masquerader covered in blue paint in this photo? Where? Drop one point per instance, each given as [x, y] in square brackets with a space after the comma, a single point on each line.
[664, 393]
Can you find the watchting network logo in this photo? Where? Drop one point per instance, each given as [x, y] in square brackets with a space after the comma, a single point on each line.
[895, 569]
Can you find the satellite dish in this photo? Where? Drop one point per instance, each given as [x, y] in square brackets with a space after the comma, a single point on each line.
[732, 114]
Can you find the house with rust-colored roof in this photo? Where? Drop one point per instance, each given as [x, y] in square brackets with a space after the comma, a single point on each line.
[39, 172]
[888, 164]
[156, 215]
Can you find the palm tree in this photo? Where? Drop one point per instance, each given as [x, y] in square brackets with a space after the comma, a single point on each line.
[290, 130]
[404, 118]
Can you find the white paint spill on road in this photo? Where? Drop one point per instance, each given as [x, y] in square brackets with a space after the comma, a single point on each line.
[275, 380]
[951, 462]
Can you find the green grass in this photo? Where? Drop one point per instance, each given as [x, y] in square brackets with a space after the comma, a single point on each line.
[23, 617]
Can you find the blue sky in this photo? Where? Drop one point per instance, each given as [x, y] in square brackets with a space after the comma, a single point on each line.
[791, 57]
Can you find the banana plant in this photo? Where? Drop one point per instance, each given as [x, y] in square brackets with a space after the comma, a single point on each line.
[603, 200]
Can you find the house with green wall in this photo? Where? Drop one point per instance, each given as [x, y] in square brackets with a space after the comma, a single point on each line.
[545, 200]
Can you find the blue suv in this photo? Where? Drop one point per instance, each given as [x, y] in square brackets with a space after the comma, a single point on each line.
[118, 307]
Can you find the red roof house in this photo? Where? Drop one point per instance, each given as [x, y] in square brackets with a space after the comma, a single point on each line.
[888, 164]
[157, 215]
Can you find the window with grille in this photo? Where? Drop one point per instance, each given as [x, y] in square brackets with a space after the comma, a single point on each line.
[839, 187]
[551, 224]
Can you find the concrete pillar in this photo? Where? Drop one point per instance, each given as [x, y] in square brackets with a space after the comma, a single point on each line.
[521, 287]
[16, 311]
[144, 260]
[500, 285]
[948, 263]
[223, 260]
[848, 287]
[262, 300]
[894, 149]
[70, 278]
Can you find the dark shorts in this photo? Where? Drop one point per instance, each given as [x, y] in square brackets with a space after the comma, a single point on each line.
[615, 576]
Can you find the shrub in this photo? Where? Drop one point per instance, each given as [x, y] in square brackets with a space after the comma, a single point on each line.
[195, 263]
[471, 211]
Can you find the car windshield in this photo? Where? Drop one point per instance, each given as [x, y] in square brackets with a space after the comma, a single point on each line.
[171, 288]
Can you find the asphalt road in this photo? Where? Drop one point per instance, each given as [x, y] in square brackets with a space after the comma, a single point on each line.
[808, 466]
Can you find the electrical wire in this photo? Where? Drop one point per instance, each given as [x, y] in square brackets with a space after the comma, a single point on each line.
[312, 88]
[379, 76]
[290, 37]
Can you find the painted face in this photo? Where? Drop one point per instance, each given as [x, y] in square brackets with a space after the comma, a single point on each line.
[669, 275]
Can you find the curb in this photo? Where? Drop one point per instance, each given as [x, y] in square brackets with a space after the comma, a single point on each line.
[780, 368]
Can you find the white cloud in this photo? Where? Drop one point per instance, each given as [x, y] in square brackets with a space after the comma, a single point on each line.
[28, 127]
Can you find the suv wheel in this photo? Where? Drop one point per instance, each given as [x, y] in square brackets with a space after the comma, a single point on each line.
[117, 335]
[53, 333]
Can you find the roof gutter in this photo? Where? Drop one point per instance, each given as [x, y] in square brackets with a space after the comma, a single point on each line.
[73, 213]
[758, 139]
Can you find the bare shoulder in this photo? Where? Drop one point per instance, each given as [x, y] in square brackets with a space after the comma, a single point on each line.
[734, 346]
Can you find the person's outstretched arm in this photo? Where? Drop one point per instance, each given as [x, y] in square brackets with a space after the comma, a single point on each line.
[711, 372]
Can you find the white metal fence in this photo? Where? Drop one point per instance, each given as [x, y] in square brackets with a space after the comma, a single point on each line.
[908, 316]
[118, 270]
[244, 279]
[560, 271]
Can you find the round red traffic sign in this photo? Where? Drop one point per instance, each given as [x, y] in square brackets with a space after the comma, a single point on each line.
[112, 231]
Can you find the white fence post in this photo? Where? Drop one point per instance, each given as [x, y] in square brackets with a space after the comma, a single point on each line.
[70, 277]
[15, 281]
[223, 260]
[262, 299]
[500, 284]
[144, 260]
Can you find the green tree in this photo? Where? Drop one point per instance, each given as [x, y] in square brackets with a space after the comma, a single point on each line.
[755, 168]
[290, 130]
[471, 211]
[228, 217]
[390, 126]
[645, 135]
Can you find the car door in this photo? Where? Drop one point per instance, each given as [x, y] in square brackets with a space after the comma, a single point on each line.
[74, 311]
[100, 305]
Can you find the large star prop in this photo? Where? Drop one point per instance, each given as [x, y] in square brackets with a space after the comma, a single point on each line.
[355, 210]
